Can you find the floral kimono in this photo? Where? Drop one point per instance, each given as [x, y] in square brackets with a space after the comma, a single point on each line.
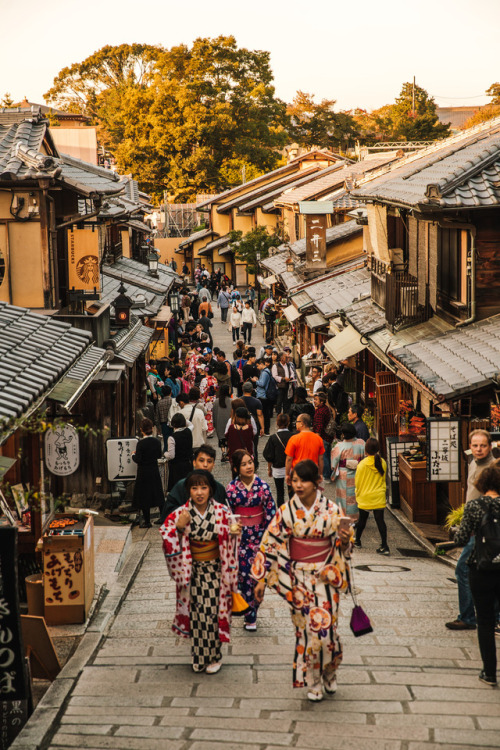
[191, 365]
[208, 390]
[203, 588]
[310, 588]
[257, 495]
[343, 476]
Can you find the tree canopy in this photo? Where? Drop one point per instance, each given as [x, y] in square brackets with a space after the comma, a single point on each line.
[319, 125]
[258, 240]
[184, 120]
[489, 111]
[411, 118]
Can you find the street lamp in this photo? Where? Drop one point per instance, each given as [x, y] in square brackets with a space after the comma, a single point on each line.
[152, 260]
[174, 303]
[258, 256]
[289, 265]
[122, 305]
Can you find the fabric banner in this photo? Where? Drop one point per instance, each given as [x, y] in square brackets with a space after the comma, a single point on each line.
[83, 260]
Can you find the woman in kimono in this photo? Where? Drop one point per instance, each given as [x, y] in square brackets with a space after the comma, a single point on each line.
[303, 557]
[191, 364]
[200, 543]
[208, 390]
[249, 498]
[345, 458]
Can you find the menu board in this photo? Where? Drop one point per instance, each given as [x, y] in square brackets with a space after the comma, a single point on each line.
[63, 571]
[14, 686]
[443, 450]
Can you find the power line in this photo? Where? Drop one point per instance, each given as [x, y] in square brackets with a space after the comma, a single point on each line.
[478, 96]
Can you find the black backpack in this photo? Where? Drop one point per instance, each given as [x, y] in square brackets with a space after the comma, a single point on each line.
[488, 541]
[235, 377]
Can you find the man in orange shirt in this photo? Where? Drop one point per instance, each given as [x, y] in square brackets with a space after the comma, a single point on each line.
[306, 444]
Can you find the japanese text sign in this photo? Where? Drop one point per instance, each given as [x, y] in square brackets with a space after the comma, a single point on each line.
[443, 450]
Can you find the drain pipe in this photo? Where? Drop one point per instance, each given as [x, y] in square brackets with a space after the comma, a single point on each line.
[472, 263]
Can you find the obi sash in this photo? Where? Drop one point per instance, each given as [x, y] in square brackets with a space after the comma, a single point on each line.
[305, 550]
[250, 516]
[204, 551]
[343, 462]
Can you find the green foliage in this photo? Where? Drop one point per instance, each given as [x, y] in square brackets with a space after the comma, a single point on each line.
[259, 240]
[319, 125]
[400, 121]
[494, 91]
[40, 422]
[184, 120]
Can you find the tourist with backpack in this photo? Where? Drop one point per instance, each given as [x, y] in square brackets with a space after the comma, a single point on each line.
[266, 391]
[481, 520]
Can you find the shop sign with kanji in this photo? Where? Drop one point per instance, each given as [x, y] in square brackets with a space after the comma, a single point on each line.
[62, 450]
[443, 450]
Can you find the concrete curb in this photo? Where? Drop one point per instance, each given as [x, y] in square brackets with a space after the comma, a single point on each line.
[422, 541]
[42, 723]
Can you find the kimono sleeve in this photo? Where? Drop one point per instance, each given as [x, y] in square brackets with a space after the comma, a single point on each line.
[266, 563]
[335, 459]
[268, 503]
[173, 545]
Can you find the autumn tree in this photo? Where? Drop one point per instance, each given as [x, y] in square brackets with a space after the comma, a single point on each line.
[7, 101]
[257, 241]
[413, 117]
[184, 120]
[319, 125]
[489, 111]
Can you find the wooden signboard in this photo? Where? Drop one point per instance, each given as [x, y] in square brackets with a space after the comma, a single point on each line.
[443, 450]
[120, 463]
[62, 450]
[40, 649]
[14, 684]
[83, 260]
[315, 242]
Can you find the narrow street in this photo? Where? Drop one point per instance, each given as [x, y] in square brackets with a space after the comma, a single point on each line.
[410, 685]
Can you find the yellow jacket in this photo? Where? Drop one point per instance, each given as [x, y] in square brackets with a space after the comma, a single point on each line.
[370, 484]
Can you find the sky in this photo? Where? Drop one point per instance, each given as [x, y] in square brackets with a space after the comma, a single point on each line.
[357, 53]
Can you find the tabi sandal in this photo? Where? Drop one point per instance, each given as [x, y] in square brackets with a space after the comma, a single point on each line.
[213, 668]
[315, 694]
[330, 684]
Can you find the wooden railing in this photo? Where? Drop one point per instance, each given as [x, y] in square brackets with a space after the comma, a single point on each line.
[396, 292]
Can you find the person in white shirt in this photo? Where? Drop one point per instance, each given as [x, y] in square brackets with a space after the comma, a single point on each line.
[316, 382]
[235, 323]
[194, 415]
[248, 320]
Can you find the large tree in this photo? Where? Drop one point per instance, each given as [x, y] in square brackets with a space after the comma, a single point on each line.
[185, 120]
[255, 243]
[413, 117]
[313, 124]
[489, 111]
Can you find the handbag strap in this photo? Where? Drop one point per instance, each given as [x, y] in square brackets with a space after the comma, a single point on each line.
[351, 584]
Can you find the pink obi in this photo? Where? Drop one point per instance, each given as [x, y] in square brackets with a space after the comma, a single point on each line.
[309, 550]
[250, 516]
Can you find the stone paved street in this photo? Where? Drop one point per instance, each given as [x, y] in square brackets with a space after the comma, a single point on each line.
[411, 685]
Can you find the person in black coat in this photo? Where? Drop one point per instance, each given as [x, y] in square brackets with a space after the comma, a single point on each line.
[180, 450]
[148, 490]
[274, 454]
[300, 406]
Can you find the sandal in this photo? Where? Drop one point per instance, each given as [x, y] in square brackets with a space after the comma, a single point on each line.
[315, 694]
[213, 668]
[330, 684]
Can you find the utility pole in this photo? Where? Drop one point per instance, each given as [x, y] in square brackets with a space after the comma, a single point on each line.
[413, 99]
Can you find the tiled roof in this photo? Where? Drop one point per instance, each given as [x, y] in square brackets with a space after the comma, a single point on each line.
[200, 235]
[292, 165]
[69, 389]
[365, 316]
[333, 293]
[89, 178]
[333, 234]
[146, 302]
[457, 362]
[459, 172]
[35, 352]
[131, 271]
[327, 179]
[277, 265]
[131, 342]
[219, 242]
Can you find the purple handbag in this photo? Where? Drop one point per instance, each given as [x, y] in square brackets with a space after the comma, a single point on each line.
[360, 622]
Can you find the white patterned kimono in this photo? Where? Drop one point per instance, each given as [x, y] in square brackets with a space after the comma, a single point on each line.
[311, 589]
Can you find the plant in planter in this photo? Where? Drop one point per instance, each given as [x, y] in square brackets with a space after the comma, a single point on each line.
[454, 519]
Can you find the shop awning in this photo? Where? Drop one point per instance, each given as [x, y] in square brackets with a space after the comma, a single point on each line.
[316, 321]
[345, 344]
[291, 313]
[163, 316]
[270, 280]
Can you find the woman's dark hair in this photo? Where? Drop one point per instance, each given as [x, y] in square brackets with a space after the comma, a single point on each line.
[146, 426]
[372, 448]
[282, 420]
[237, 458]
[200, 477]
[237, 403]
[220, 368]
[224, 392]
[307, 471]
[166, 391]
[242, 413]
[178, 420]
[300, 395]
[489, 479]
[348, 430]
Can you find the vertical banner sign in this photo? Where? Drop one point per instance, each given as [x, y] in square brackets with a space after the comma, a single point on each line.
[14, 688]
[443, 450]
[83, 260]
[121, 466]
[62, 450]
[315, 242]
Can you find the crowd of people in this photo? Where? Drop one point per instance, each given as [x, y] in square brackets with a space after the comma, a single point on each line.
[248, 535]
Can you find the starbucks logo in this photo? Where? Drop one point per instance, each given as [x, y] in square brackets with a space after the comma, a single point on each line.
[87, 269]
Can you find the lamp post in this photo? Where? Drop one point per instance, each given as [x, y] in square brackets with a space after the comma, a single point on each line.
[175, 306]
[122, 305]
[258, 256]
[152, 260]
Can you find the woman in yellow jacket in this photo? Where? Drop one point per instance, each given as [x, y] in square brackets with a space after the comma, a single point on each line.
[370, 482]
